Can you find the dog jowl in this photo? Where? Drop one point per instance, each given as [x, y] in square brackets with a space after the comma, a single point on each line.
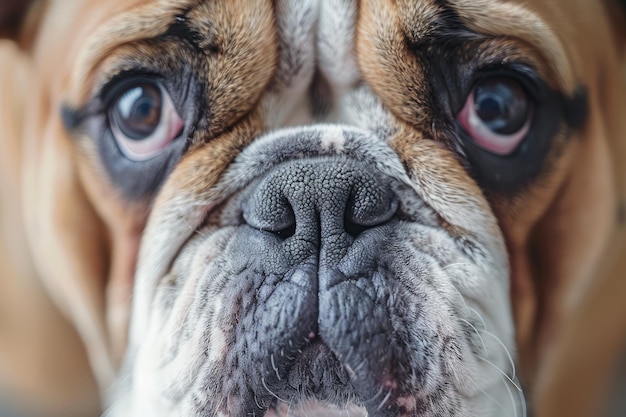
[315, 207]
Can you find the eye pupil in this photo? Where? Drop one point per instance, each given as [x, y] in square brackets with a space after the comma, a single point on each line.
[137, 112]
[490, 108]
[502, 105]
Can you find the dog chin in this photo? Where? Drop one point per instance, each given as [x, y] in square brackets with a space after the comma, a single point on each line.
[315, 409]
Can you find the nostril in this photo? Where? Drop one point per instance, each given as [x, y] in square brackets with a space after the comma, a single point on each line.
[354, 229]
[368, 207]
[285, 232]
[269, 214]
[329, 197]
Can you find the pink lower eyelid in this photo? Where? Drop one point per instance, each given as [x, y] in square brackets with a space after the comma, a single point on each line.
[175, 126]
[464, 115]
[499, 144]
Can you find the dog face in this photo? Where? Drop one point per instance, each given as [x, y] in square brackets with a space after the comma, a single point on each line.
[329, 206]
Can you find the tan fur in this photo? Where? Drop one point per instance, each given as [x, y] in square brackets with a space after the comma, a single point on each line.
[41, 354]
[73, 230]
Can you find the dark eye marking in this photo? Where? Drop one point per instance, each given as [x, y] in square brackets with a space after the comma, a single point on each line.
[139, 122]
[576, 109]
[553, 116]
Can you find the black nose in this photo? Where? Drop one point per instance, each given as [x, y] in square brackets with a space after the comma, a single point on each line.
[320, 199]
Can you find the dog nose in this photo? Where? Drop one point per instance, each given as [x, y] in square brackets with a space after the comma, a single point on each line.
[320, 199]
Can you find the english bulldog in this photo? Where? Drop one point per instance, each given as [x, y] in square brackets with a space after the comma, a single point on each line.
[312, 208]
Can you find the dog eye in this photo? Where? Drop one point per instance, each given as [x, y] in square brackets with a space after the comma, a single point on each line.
[143, 120]
[497, 114]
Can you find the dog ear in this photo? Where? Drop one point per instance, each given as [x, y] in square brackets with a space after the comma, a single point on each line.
[589, 340]
[43, 359]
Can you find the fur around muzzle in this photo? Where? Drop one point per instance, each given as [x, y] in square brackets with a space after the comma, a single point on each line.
[314, 275]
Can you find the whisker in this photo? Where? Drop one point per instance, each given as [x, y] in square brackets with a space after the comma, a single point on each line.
[508, 354]
[501, 372]
[193, 229]
[275, 367]
[348, 356]
[380, 391]
[522, 398]
[480, 317]
[359, 366]
[508, 389]
[270, 391]
[497, 339]
[477, 334]
[256, 400]
[492, 398]
[382, 404]
[468, 309]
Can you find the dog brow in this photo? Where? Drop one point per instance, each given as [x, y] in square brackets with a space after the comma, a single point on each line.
[142, 22]
[495, 18]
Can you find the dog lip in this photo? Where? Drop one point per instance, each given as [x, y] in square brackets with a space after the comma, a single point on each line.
[312, 353]
[315, 332]
[315, 372]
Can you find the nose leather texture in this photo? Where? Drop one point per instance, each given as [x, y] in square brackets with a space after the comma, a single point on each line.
[329, 201]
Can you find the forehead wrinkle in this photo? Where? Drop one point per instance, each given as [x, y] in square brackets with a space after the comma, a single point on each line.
[506, 19]
[138, 23]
